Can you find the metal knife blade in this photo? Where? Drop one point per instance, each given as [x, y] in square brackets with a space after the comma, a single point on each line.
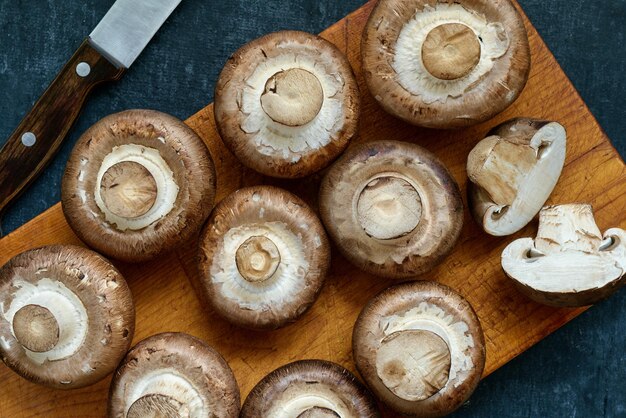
[128, 27]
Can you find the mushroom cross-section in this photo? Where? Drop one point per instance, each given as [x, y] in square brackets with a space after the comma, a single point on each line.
[420, 348]
[392, 208]
[138, 183]
[443, 64]
[570, 262]
[263, 258]
[287, 104]
[173, 375]
[513, 171]
[309, 389]
[66, 316]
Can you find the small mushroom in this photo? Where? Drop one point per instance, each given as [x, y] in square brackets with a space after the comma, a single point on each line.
[420, 348]
[513, 171]
[173, 375]
[137, 184]
[263, 258]
[570, 263]
[443, 64]
[392, 208]
[66, 316]
[309, 389]
[287, 104]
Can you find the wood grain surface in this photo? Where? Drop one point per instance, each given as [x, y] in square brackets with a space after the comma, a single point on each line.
[163, 289]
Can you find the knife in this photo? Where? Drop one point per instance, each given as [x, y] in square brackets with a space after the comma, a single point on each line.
[105, 55]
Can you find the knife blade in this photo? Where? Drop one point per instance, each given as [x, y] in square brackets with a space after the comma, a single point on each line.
[106, 53]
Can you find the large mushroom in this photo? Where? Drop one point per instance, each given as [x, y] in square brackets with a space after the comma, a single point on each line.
[137, 184]
[443, 64]
[513, 171]
[263, 257]
[287, 104]
[66, 316]
[309, 389]
[420, 348]
[570, 263]
[173, 375]
[392, 208]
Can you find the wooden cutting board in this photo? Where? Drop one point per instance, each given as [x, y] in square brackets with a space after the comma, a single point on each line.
[163, 289]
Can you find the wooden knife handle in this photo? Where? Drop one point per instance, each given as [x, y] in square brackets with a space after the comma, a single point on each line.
[38, 137]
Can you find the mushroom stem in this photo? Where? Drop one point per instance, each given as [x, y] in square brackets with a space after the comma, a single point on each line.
[257, 259]
[413, 364]
[318, 412]
[155, 406]
[36, 328]
[128, 189]
[451, 51]
[389, 207]
[292, 97]
[568, 228]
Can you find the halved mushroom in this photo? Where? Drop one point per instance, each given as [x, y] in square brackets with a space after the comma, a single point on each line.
[309, 389]
[443, 64]
[392, 208]
[173, 375]
[570, 263]
[137, 184]
[420, 348]
[287, 104]
[66, 316]
[263, 257]
[513, 171]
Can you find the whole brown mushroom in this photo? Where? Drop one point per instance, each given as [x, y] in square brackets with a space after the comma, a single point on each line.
[443, 64]
[137, 184]
[263, 258]
[173, 375]
[392, 208]
[66, 316]
[309, 389]
[287, 104]
[420, 348]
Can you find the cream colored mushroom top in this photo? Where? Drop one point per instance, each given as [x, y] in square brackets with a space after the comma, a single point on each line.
[409, 64]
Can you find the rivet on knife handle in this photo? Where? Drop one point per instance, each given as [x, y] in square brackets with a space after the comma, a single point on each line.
[36, 140]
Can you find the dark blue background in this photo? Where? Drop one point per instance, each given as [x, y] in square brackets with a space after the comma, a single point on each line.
[579, 371]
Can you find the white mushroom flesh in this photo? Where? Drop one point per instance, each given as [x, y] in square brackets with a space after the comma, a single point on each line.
[429, 317]
[167, 189]
[389, 207]
[290, 142]
[409, 66]
[65, 305]
[274, 292]
[519, 177]
[170, 383]
[569, 254]
[300, 397]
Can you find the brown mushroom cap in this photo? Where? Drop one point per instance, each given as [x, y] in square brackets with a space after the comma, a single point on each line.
[444, 64]
[392, 208]
[287, 104]
[309, 389]
[173, 375]
[420, 348]
[66, 316]
[137, 184]
[263, 257]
